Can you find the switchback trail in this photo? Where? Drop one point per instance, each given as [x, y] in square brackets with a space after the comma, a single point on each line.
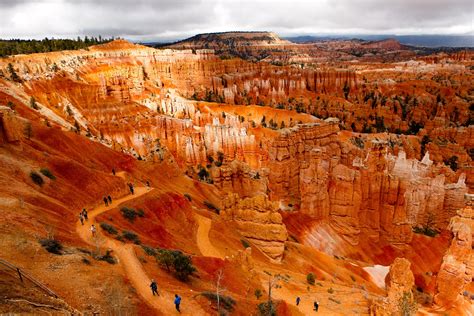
[202, 237]
[127, 258]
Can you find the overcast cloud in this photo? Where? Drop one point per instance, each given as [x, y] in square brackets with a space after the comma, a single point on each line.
[144, 20]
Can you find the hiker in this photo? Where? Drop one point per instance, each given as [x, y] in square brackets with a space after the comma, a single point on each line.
[110, 199]
[130, 186]
[84, 213]
[177, 301]
[148, 183]
[93, 230]
[316, 306]
[81, 218]
[113, 171]
[106, 201]
[298, 299]
[154, 287]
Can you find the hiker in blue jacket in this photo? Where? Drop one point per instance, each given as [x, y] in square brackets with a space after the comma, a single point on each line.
[177, 301]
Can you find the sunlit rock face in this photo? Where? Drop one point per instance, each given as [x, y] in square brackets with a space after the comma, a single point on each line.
[381, 194]
[258, 221]
[457, 269]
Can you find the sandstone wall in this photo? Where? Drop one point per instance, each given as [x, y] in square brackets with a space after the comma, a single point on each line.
[259, 222]
[457, 269]
[380, 194]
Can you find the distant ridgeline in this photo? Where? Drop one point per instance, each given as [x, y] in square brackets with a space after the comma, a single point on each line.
[18, 46]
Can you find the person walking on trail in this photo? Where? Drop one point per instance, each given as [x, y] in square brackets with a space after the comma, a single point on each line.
[81, 218]
[316, 306]
[177, 302]
[93, 230]
[298, 299]
[106, 201]
[84, 213]
[154, 287]
[113, 171]
[110, 199]
[130, 186]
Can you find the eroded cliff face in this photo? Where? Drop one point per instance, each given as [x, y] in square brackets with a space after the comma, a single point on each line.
[143, 101]
[259, 222]
[457, 269]
[371, 192]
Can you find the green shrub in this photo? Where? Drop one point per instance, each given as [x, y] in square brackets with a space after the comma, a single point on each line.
[258, 293]
[330, 290]
[452, 162]
[245, 243]
[406, 305]
[150, 251]
[358, 142]
[131, 214]
[51, 245]
[203, 174]
[220, 158]
[108, 228]
[36, 178]
[427, 231]
[267, 309]
[11, 105]
[13, 75]
[131, 236]
[107, 258]
[226, 302]
[310, 278]
[165, 258]
[183, 266]
[176, 260]
[33, 104]
[47, 173]
[212, 207]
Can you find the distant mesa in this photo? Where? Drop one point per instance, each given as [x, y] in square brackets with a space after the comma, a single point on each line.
[217, 40]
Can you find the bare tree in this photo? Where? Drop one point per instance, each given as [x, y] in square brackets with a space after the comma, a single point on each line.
[272, 284]
[219, 289]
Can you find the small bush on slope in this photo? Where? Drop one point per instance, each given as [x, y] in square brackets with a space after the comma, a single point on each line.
[177, 261]
[47, 173]
[51, 245]
[36, 178]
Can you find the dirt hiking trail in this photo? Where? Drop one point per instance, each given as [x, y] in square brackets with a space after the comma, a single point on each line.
[163, 304]
[202, 237]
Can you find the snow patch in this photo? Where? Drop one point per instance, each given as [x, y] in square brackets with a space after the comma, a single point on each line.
[378, 274]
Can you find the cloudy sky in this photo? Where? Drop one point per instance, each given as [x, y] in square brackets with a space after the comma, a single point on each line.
[144, 20]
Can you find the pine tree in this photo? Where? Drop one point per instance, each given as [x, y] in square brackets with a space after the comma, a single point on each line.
[33, 104]
[13, 75]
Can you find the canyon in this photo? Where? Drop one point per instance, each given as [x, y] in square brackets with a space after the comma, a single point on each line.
[321, 162]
